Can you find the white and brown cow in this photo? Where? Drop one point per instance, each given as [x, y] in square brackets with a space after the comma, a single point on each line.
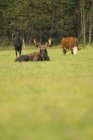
[70, 43]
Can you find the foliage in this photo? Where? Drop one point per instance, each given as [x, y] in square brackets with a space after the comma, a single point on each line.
[41, 19]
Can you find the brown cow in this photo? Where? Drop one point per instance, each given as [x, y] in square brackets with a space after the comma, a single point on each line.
[42, 55]
[70, 43]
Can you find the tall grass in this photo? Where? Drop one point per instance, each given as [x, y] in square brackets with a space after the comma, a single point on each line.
[47, 100]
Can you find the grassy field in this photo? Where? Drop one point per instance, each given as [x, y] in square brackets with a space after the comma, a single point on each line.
[47, 100]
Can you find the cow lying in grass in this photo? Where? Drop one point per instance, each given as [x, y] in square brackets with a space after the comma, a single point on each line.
[70, 43]
[42, 55]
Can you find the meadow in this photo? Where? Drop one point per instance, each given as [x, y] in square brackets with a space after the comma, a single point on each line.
[47, 100]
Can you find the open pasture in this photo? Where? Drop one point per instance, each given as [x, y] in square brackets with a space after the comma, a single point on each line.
[47, 100]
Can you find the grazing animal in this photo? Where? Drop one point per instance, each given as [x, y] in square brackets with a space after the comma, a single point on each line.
[18, 43]
[70, 43]
[42, 55]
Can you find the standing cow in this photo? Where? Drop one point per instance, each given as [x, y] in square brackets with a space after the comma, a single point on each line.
[18, 43]
[70, 43]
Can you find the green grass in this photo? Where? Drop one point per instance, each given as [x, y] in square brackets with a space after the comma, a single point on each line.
[47, 100]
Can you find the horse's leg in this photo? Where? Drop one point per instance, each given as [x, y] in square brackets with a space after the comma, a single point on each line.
[19, 52]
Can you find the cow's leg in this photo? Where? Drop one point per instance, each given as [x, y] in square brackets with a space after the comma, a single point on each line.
[19, 52]
[64, 51]
[16, 52]
[71, 51]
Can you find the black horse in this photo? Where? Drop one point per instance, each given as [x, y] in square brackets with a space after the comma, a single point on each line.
[18, 43]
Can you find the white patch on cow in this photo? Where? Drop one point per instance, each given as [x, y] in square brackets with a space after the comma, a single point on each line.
[75, 50]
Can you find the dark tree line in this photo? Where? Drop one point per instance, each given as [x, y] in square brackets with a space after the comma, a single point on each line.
[41, 19]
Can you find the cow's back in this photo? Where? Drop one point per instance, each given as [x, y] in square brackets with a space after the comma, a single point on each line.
[69, 42]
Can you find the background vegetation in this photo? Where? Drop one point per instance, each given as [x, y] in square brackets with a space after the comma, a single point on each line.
[41, 19]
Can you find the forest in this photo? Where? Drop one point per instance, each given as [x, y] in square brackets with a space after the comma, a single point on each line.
[41, 19]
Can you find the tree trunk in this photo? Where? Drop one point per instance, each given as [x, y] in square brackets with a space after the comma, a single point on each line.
[83, 21]
[90, 23]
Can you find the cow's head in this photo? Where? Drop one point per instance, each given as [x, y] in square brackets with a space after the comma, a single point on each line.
[75, 50]
[43, 52]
